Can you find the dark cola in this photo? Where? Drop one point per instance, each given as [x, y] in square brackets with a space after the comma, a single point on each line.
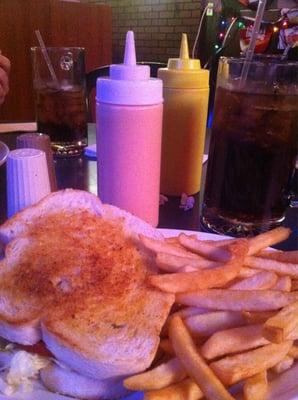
[62, 115]
[251, 160]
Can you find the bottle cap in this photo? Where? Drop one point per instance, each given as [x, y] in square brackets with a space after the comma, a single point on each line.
[184, 72]
[129, 83]
[42, 142]
[27, 179]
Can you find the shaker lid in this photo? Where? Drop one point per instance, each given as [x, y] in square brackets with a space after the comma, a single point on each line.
[129, 83]
[184, 72]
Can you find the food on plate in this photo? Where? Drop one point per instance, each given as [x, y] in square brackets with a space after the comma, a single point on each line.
[233, 340]
[283, 365]
[205, 249]
[278, 327]
[195, 365]
[217, 333]
[186, 389]
[280, 267]
[210, 322]
[75, 276]
[171, 263]
[256, 387]
[232, 369]
[260, 281]
[267, 239]
[205, 278]
[283, 283]
[237, 300]
[157, 378]
[98, 287]
[293, 352]
[283, 256]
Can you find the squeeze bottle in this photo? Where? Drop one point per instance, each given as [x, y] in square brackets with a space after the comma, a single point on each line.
[186, 93]
[129, 107]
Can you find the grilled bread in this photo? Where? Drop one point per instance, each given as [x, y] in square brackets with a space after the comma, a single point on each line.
[74, 275]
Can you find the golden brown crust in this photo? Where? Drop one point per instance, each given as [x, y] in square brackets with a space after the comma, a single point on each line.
[85, 276]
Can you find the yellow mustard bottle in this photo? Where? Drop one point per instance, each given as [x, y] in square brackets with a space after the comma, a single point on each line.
[186, 93]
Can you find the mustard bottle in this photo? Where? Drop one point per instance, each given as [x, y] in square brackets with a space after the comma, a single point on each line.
[186, 93]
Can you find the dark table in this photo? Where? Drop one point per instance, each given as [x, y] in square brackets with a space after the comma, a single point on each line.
[80, 173]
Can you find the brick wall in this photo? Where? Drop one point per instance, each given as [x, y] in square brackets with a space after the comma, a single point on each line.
[157, 24]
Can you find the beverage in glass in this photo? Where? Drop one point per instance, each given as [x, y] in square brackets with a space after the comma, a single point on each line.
[253, 147]
[61, 107]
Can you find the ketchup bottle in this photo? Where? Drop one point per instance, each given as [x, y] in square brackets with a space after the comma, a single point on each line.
[129, 131]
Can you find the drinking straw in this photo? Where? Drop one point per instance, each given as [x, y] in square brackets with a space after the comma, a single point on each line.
[252, 44]
[47, 58]
[286, 52]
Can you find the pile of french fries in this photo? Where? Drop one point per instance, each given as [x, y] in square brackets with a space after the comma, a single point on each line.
[235, 319]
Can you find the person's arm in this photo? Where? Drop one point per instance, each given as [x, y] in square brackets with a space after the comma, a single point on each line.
[4, 80]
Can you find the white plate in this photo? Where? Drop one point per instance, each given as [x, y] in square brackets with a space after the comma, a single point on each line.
[201, 235]
[4, 150]
[285, 387]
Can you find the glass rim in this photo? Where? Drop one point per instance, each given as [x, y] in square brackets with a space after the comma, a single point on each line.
[271, 61]
[65, 48]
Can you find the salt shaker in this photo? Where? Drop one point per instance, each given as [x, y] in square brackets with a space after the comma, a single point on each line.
[27, 179]
[41, 141]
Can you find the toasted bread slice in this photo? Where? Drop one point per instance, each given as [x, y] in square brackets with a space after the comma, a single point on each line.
[75, 266]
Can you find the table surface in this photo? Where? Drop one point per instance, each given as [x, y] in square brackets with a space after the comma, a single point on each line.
[80, 173]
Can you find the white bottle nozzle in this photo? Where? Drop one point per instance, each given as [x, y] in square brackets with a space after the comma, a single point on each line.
[129, 70]
[130, 50]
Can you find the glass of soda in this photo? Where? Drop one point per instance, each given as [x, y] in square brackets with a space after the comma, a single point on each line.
[60, 97]
[253, 146]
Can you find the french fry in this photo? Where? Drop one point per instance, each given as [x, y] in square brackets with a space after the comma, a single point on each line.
[256, 387]
[262, 280]
[283, 283]
[172, 263]
[232, 369]
[283, 365]
[201, 247]
[184, 313]
[190, 281]
[161, 246]
[267, 239]
[238, 300]
[286, 380]
[219, 243]
[281, 268]
[283, 256]
[206, 278]
[294, 284]
[209, 323]
[184, 390]
[293, 352]
[187, 268]
[277, 328]
[257, 317]
[167, 347]
[246, 272]
[189, 312]
[173, 240]
[163, 375]
[233, 340]
[194, 364]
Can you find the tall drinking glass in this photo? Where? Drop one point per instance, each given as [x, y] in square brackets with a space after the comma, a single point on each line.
[60, 97]
[253, 146]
